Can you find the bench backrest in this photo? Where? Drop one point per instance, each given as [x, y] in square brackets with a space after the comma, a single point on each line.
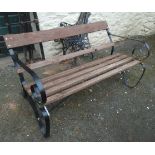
[23, 39]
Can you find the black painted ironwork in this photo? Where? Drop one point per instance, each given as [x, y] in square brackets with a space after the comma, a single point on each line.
[144, 46]
[143, 43]
[110, 38]
[125, 79]
[38, 97]
[76, 43]
[38, 28]
[37, 88]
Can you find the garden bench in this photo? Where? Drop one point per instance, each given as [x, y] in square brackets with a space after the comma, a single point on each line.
[53, 88]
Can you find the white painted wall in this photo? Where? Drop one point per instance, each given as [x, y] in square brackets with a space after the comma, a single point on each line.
[119, 23]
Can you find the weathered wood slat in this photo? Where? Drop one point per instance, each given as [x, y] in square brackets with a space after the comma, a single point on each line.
[58, 59]
[80, 79]
[62, 79]
[89, 83]
[79, 68]
[76, 69]
[17, 40]
[81, 73]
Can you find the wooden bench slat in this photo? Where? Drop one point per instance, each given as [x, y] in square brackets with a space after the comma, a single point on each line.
[23, 39]
[58, 59]
[75, 69]
[80, 73]
[89, 83]
[80, 79]
[79, 68]
[76, 74]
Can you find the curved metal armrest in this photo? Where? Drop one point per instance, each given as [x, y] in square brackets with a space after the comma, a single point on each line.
[37, 89]
[145, 44]
[125, 81]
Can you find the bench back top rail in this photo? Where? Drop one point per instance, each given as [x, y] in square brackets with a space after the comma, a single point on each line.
[23, 39]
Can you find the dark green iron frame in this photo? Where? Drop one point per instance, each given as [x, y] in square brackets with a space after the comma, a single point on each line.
[24, 23]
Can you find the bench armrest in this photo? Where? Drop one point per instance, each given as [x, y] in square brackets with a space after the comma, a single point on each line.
[144, 44]
[37, 89]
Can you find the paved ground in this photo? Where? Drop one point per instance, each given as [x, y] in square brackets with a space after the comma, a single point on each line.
[108, 111]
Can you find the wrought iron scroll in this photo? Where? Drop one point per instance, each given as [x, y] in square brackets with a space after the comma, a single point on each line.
[79, 42]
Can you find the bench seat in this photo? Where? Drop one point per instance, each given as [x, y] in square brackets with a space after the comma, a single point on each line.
[68, 82]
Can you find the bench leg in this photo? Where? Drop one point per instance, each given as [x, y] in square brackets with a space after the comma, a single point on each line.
[42, 116]
[44, 121]
[41, 112]
[24, 93]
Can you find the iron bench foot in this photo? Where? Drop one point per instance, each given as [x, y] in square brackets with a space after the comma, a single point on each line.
[42, 115]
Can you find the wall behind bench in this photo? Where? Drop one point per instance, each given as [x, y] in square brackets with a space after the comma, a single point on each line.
[125, 23]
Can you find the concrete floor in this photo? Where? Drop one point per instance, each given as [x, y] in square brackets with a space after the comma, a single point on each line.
[108, 111]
